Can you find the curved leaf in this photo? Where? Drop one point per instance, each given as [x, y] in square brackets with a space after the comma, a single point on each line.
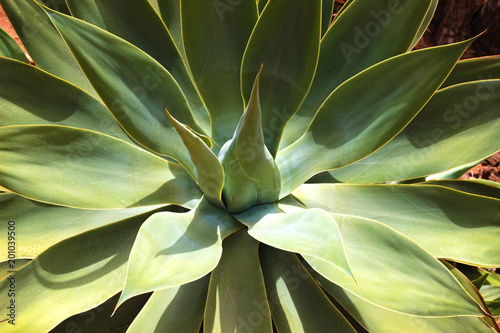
[23, 95]
[214, 53]
[396, 274]
[170, 11]
[94, 270]
[438, 139]
[39, 226]
[126, 19]
[326, 15]
[84, 169]
[377, 319]
[132, 85]
[347, 128]
[237, 300]
[286, 41]
[43, 42]
[177, 248]
[179, 309]
[297, 303]
[252, 176]
[485, 68]
[209, 169]
[425, 23]
[445, 222]
[310, 232]
[478, 187]
[366, 33]
[10, 49]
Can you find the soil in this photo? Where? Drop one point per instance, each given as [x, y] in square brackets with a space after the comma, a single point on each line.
[454, 20]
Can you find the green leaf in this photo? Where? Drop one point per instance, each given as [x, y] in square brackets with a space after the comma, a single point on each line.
[347, 127]
[486, 68]
[310, 232]
[297, 302]
[368, 32]
[488, 189]
[491, 295]
[326, 15]
[214, 56]
[454, 173]
[6, 267]
[39, 226]
[261, 4]
[132, 85]
[378, 319]
[179, 309]
[445, 222]
[438, 139]
[425, 23]
[394, 273]
[23, 95]
[84, 169]
[252, 176]
[43, 42]
[170, 11]
[126, 19]
[10, 49]
[237, 300]
[209, 169]
[286, 41]
[189, 244]
[69, 278]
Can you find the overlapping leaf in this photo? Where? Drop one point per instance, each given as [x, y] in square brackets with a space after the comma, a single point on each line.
[348, 127]
[189, 244]
[366, 33]
[85, 169]
[445, 222]
[454, 117]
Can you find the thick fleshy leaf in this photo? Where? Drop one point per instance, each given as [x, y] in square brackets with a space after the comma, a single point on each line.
[425, 23]
[367, 32]
[71, 277]
[30, 96]
[177, 248]
[43, 42]
[297, 302]
[261, 4]
[214, 54]
[9, 267]
[179, 309]
[84, 169]
[126, 19]
[39, 226]
[209, 169]
[483, 188]
[252, 176]
[486, 68]
[286, 41]
[310, 232]
[10, 49]
[447, 223]
[454, 173]
[237, 300]
[326, 15]
[442, 136]
[170, 11]
[132, 85]
[348, 127]
[395, 273]
[378, 319]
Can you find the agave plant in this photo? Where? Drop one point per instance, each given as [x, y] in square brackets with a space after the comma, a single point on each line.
[244, 166]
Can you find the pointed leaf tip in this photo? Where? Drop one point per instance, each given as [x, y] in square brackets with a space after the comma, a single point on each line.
[210, 174]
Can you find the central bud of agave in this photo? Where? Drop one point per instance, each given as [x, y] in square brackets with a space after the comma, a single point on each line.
[251, 174]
